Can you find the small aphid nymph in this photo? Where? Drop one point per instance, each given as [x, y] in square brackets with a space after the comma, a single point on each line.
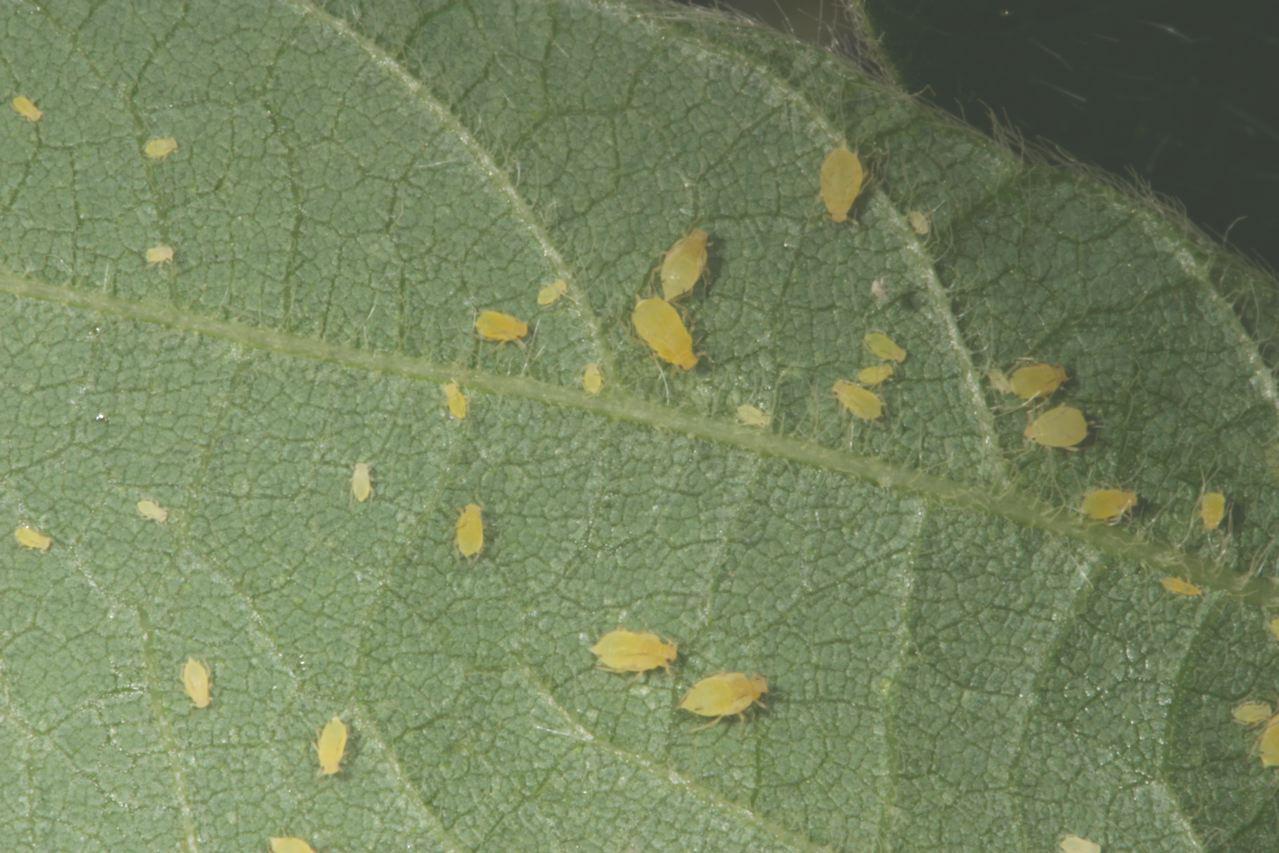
[592, 379]
[551, 293]
[1268, 743]
[1251, 712]
[1212, 509]
[361, 482]
[634, 651]
[1077, 844]
[874, 375]
[1178, 586]
[152, 511]
[468, 535]
[290, 844]
[753, 416]
[684, 264]
[196, 682]
[500, 327]
[999, 381]
[160, 147]
[457, 402]
[25, 107]
[1063, 427]
[862, 402]
[660, 326]
[29, 537]
[841, 182]
[159, 255]
[331, 746]
[1107, 505]
[724, 694]
[1273, 627]
[1037, 380]
[919, 222]
[883, 347]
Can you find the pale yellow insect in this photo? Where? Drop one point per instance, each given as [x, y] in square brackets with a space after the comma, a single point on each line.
[552, 293]
[1268, 743]
[724, 694]
[159, 255]
[29, 537]
[160, 147]
[875, 375]
[1251, 712]
[500, 327]
[752, 416]
[457, 402]
[1076, 844]
[661, 327]
[196, 682]
[862, 402]
[468, 535]
[1212, 509]
[25, 107]
[882, 346]
[841, 182]
[634, 651]
[1107, 504]
[1177, 586]
[331, 746]
[1273, 627]
[684, 264]
[592, 379]
[1037, 380]
[361, 482]
[919, 222]
[290, 844]
[152, 511]
[1062, 427]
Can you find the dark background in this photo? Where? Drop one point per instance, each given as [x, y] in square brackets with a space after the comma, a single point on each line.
[1182, 95]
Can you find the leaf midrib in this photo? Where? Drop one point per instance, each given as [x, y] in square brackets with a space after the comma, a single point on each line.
[1009, 504]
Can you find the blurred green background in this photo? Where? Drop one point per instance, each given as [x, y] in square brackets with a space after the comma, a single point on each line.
[1182, 95]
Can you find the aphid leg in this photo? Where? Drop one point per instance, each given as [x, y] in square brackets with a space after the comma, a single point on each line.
[708, 725]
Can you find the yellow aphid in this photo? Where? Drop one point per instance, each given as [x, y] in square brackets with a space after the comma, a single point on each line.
[469, 532]
[684, 264]
[331, 746]
[290, 844]
[752, 416]
[1177, 586]
[634, 651]
[882, 346]
[457, 402]
[841, 182]
[361, 482]
[1212, 509]
[29, 537]
[874, 375]
[152, 511]
[1063, 427]
[1251, 712]
[593, 379]
[1268, 743]
[1273, 627]
[195, 680]
[160, 147]
[723, 694]
[552, 293]
[661, 327]
[919, 222]
[862, 402]
[159, 255]
[25, 107]
[1000, 382]
[1107, 504]
[500, 327]
[1037, 380]
[1076, 844]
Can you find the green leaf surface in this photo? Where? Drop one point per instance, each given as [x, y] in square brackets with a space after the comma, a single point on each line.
[956, 659]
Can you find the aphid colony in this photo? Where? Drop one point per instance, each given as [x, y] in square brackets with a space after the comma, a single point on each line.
[857, 397]
[1253, 713]
[721, 695]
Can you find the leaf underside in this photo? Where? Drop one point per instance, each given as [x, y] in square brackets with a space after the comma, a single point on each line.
[955, 659]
